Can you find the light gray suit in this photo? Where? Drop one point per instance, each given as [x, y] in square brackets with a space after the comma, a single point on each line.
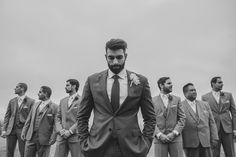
[66, 119]
[173, 120]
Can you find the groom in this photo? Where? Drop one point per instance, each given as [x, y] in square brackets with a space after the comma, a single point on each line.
[115, 97]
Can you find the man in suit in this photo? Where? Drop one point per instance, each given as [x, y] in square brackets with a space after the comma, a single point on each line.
[200, 132]
[66, 126]
[170, 121]
[115, 96]
[15, 117]
[39, 129]
[224, 112]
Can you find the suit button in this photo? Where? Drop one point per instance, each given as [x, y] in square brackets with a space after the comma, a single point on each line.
[110, 129]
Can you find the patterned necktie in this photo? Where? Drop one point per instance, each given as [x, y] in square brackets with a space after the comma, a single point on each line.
[115, 93]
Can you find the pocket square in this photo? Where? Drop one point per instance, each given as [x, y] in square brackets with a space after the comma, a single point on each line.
[49, 115]
[173, 106]
[75, 107]
[25, 107]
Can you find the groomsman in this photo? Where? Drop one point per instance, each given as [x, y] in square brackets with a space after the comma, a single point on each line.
[115, 96]
[200, 132]
[224, 111]
[39, 129]
[15, 117]
[66, 126]
[170, 121]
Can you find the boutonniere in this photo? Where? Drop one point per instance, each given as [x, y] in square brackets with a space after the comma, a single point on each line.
[134, 79]
[222, 94]
[24, 100]
[170, 97]
[76, 98]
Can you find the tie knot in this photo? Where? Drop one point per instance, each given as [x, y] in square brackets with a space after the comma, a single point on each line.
[115, 77]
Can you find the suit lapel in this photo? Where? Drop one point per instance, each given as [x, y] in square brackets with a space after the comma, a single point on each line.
[15, 106]
[65, 105]
[217, 106]
[74, 102]
[44, 110]
[190, 110]
[161, 103]
[102, 81]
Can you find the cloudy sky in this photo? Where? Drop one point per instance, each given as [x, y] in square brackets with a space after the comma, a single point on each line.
[48, 42]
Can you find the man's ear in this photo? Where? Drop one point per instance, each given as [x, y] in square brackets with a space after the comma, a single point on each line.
[105, 56]
[126, 56]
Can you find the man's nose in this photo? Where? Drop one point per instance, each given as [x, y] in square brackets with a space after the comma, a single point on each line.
[115, 61]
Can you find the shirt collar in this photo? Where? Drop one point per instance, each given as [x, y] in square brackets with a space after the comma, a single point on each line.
[122, 74]
[191, 102]
[22, 97]
[164, 95]
[215, 93]
[73, 96]
[46, 102]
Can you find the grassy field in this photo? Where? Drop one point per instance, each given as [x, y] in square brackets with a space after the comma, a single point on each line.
[3, 150]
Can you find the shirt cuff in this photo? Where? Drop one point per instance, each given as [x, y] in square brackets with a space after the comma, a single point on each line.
[234, 131]
[158, 135]
[71, 132]
[176, 132]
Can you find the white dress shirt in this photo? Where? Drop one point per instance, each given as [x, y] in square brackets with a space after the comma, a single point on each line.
[43, 104]
[71, 99]
[192, 105]
[216, 96]
[20, 99]
[123, 81]
[165, 99]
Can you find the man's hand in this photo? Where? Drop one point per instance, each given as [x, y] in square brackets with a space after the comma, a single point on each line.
[234, 133]
[163, 138]
[171, 136]
[62, 132]
[214, 143]
[23, 137]
[67, 134]
[3, 135]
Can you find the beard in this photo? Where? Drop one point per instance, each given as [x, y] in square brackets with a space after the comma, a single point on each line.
[68, 91]
[167, 90]
[116, 68]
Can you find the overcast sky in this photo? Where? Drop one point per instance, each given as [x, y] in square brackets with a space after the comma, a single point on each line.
[48, 42]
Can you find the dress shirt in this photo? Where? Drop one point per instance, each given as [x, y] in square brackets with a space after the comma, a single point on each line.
[192, 105]
[43, 104]
[123, 81]
[20, 99]
[71, 99]
[216, 96]
[165, 99]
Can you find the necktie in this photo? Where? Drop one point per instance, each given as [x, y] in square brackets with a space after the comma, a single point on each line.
[19, 102]
[115, 93]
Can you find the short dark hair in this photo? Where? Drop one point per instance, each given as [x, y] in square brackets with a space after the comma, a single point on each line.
[116, 44]
[214, 79]
[47, 90]
[74, 82]
[186, 86]
[23, 85]
[162, 81]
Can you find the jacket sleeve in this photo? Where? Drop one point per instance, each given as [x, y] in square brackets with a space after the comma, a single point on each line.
[84, 112]
[147, 110]
[54, 132]
[7, 117]
[212, 125]
[233, 111]
[180, 117]
[58, 119]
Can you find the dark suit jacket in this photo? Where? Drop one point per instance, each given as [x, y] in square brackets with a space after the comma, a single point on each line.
[175, 119]
[66, 118]
[225, 112]
[11, 112]
[122, 125]
[198, 129]
[47, 132]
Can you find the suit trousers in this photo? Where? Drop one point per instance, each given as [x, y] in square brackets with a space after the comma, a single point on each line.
[33, 146]
[113, 149]
[174, 149]
[11, 143]
[64, 147]
[198, 152]
[226, 139]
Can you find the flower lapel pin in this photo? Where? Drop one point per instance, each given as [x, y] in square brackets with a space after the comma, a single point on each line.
[134, 79]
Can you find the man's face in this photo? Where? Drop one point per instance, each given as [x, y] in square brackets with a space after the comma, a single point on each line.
[69, 87]
[18, 89]
[218, 85]
[116, 60]
[42, 96]
[191, 93]
[167, 87]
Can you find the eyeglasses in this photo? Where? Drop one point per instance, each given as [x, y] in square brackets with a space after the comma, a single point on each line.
[119, 57]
